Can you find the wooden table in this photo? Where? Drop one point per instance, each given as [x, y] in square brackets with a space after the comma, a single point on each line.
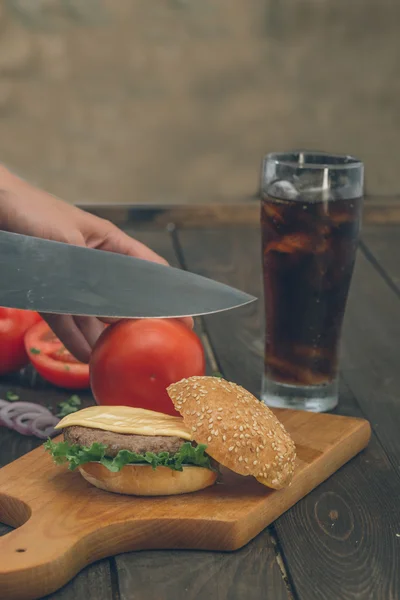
[341, 541]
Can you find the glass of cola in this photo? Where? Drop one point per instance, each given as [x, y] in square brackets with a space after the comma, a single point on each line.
[311, 205]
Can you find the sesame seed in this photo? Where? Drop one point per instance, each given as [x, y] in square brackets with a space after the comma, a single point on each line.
[224, 438]
[246, 460]
[209, 438]
[194, 429]
[255, 462]
[241, 428]
[219, 409]
[219, 418]
[240, 458]
[230, 448]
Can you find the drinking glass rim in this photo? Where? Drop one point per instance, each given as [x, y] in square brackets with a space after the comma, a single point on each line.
[279, 158]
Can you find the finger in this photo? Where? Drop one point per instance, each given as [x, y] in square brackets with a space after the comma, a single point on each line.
[70, 335]
[188, 321]
[118, 241]
[110, 320]
[90, 327]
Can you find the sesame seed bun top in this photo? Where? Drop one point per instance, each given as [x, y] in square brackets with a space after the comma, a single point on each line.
[240, 432]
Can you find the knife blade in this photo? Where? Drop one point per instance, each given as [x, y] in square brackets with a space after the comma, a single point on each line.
[53, 277]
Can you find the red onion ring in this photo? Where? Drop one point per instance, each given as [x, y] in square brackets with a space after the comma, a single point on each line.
[28, 418]
[23, 423]
[43, 426]
[7, 413]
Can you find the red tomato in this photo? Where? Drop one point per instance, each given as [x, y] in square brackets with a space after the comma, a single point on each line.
[53, 361]
[134, 362]
[13, 325]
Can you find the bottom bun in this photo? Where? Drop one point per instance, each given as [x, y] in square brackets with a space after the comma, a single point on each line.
[143, 480]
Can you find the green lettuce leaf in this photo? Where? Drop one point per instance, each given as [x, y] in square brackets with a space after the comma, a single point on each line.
[76, 455]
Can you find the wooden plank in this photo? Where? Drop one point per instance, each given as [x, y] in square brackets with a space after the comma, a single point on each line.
[249, 573]
[5, 529]
[141, 574]
[341, 540]
[93, 582]
[377, 210]
[371, 345]
[382, 246]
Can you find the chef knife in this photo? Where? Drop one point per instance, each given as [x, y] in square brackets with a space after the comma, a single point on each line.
[53, 277]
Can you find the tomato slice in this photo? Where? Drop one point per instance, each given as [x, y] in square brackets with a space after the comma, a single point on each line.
[53, 361]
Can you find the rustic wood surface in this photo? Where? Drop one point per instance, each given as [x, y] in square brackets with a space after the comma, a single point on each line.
[370, 335]
[343, 540]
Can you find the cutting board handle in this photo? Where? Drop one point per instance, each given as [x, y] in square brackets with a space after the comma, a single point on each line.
[30, 560]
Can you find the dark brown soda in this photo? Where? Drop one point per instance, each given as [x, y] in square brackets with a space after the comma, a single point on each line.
[309, 250]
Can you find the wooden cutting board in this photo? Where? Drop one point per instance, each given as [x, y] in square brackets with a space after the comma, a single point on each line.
[64, 523]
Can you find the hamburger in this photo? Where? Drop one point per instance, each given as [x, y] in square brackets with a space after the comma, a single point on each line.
[140, 452]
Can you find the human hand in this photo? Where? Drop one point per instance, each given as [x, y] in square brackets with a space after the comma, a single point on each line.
[27, 210]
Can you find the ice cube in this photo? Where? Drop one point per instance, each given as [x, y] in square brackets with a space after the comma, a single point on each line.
[283, 190]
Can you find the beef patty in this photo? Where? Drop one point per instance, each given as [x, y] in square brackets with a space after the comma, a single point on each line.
[84, 436]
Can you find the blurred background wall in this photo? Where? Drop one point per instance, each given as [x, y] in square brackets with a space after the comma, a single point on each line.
[170, 101]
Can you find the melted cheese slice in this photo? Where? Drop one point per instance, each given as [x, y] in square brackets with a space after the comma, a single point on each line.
[126, 419]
